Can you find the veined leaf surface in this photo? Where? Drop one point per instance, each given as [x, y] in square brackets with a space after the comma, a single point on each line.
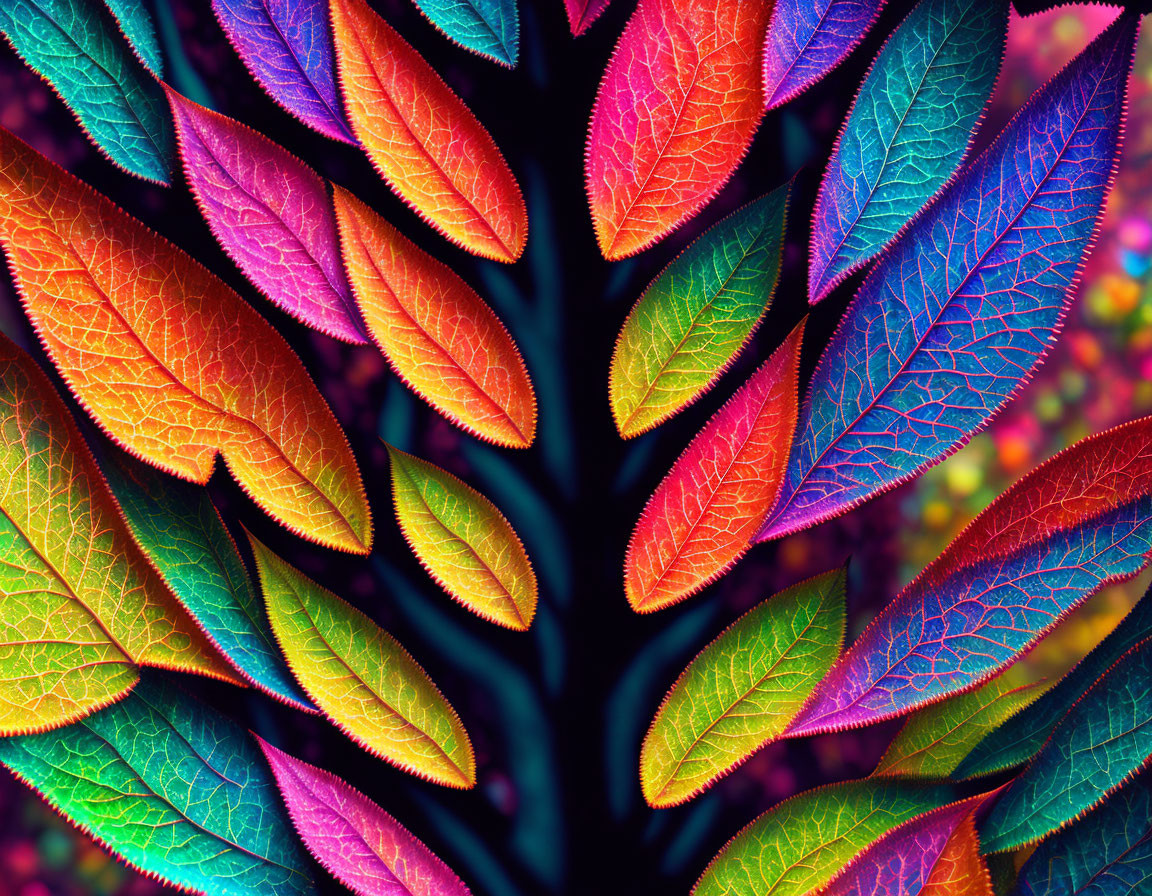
[172, 787]
[179, 529]
[1074, 524]
[463, 541]
[702, 515]
[169, 360]
[136, 23]
[287, 46]
[81, 607]
[363, 847]
[76, 47]
[960, 870]
[696, 316]
[423, 140]
[362, 678]
[806, 40]
[906, 133]
[488, 27]
[743, 689]
[800, 845]
[439, 336]
[963, 307]
[582, 13]
[1104, 740]
[675, 114]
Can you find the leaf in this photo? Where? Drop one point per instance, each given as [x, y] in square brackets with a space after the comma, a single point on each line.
[463, 541]
[134, 20]
[1105, 853]
[959, 312]
[362, 678]
[960, 869]
[1074, 524]
[436, 332]
[1103, 741]
[362, 846]
[1020, 737]
[807, 40]
[288, 49]
[701, 516]
[181, 532]
[488, 27]
[175, 789]
[674, 115]
[423, 140]
[907, 132]
[697, 315]
[75, 46]
[81, 607]
[743, 689]
[167, 359]
[936, 738]
[803, 843]
[582, 13]
[271, 213]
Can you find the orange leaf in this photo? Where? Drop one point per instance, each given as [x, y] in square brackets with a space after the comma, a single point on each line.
[960, 870]
[170, 361]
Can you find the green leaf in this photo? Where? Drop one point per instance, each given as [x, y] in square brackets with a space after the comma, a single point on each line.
[136, 23]
[743, 689]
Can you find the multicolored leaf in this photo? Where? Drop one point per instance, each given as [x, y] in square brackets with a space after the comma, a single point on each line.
[1074, 524]
[807, 40]
[906, 133]
[181, 532]
[960, 869]
[271, 213]
[1103, 741]
[582, 13]
[173, 788]
[169, 360]
[463, 541]
[743, 689]
[436, 332]
[963, 307]
[488, 27]
[423, 140]
[800, 845]
[363, 847]
[77, 48]
[362, 678]
[702, 515]
[136, 23]
[287, 47]
[675, 114]
[696, 316]
[81, 607]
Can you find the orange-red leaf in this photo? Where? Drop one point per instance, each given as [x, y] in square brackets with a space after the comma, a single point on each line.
[960, 870]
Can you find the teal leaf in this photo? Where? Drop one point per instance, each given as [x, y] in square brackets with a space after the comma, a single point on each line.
[488, 27]
[136, 23]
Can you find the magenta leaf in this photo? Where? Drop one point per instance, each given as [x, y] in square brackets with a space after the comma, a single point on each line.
[582, 13]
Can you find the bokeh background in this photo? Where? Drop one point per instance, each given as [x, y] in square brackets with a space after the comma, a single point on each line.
[557, 714]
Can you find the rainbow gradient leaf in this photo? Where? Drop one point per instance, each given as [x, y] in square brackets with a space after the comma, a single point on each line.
[488, 27]
[699, 520]
[360, 844]
[134, 20]
[81, 607]
[463, 541]
[168, 359]
[173, 788]
[743, 689]
[806, 40]
[271, 213]
[936, 738]
[436, 332]
[1020, 738]
[960, 311]
[960, 869]
[799, 846]
[76, 46]
[906, 133]
[674, 115]
[582, 13]
[1103, 741]
[287, 46]
[423, 140]
[696, 316]
[1108, 852]
[362, 679]
[1074, 524]
[181, 532]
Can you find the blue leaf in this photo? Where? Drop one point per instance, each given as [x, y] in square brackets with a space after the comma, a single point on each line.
[137, 26]
[488, 27]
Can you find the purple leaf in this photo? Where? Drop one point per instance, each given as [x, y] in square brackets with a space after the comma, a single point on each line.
[272, 215]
